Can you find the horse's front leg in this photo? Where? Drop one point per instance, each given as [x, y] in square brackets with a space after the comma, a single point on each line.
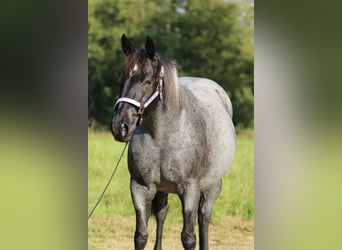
[159, 209]
[189, 195]
[142, 197]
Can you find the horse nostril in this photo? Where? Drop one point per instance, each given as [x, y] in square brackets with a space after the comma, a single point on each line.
[123, 129]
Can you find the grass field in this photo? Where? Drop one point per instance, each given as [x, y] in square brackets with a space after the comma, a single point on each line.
[113, 222]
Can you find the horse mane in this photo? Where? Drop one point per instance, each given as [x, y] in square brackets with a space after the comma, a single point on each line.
[171, 92]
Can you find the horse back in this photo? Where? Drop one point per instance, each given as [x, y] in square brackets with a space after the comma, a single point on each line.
[208, 92]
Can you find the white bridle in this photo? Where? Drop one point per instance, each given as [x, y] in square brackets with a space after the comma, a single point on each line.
[143, 105]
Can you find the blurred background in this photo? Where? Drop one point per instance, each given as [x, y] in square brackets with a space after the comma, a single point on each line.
[44, 121]
[212, 39]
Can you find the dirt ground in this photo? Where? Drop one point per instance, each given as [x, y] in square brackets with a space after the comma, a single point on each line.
[117, 233]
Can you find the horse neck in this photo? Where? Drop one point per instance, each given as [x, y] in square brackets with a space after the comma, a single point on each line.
[160, 120]
[164, 116]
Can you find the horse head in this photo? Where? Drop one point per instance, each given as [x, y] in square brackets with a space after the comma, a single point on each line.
[140, 86]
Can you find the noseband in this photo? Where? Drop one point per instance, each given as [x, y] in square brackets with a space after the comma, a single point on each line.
[143, 105]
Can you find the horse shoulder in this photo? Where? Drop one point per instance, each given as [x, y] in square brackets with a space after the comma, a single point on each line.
[143, 158]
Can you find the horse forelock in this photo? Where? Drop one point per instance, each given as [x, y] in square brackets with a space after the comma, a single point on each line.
[132, 60]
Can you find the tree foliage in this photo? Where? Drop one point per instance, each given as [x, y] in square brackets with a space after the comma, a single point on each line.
[212, 39]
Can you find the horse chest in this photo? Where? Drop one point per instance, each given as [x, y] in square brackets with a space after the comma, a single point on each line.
[164, 165]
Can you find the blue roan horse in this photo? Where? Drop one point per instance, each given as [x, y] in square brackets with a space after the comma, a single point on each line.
[182, 140]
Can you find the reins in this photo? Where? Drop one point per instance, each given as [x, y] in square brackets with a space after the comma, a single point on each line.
[110, 179]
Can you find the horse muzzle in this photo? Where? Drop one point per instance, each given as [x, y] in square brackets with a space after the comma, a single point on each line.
[122, 130]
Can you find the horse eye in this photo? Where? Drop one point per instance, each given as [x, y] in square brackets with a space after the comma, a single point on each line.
[148, 81]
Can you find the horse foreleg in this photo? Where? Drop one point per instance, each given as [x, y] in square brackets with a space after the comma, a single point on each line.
[207, 200]
[142, 197]
[189, 196]
[159, 209]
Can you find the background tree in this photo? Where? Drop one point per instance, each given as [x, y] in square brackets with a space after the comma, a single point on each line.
[212, 39]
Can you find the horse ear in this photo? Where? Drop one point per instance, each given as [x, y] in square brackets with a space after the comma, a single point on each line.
[150, 49]
[127, 47]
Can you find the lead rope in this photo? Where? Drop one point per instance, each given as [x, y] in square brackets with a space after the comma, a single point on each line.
[110, 179]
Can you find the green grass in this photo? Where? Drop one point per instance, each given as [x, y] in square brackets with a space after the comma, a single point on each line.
[237, 196]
